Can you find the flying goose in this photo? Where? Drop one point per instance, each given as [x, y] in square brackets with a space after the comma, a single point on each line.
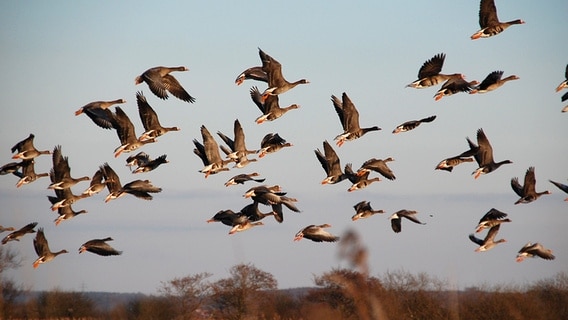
[533, 250]
[396, 219]
[331, 164]
[349, 118]
[160, 82]
[150, 120]
[99, 112]
[277, 84]
[26, 149]
[489, 22]
[429, 73]
[316, 233]
[100, 247]
[493, 81]
[364, 210]
[18, 234]
[412, 124]
[270, 108]
[209, 154]
[484, 155]
[489, 241]
[42, 249]
[527, 191]
[126, 133]
[492, 218]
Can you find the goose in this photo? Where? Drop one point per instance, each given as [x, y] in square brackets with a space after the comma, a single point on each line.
[448, 164]
[64, 197]
[62, 172]
[527, 191]
[244, 224]
[151, 164]
[18, 234]
[533, 250]
[65, 212]
[242, 178]
[453, 86]
[226, 217]
[97, 184]
[26, 149]
[412, 124]
[150, 120]
[377, 165]
[277, 84]
[28, 174]
[484, 155]
[564, 84]
[489, 22]
[493, 81]
[560, 186]
[492, 218]
[100, 247]
[42, 249]
[160, 82]
[271, 143]
[316, 233]
[271, 196]
[209, 154]
[489, 241]
[396, 219]
[364, 210]
[331, 164]
[2, 228]
[239, 151]
[138, 159]
[126, 133]
[349, 118]
[359, 181]
[138, 188]
[252, 73]
[99, 112]
[270, 108]
[429, 73]
[252, 212]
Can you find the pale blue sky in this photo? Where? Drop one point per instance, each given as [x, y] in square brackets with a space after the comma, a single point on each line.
[58, 56]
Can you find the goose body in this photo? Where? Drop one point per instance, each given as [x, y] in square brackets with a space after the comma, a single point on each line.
[126, 133]
[484, 155]
[28, 174]
[18, 234]
[493, 81]
[252, 73]
[242, 178]
[238, 150]
[270, 107]
[209, 154]
[277, 84]
[412, 124]
[429, 73]
[331, 164]
[396, 219]
[26, 149]
[271, 143]
[99, 112]
[160, 82]
[533, 250]
[349, 118]
[489, 241]
[150, 121]
[99, 247]
[527, 191]
[455, 85]
[378, 165]
[41, 247]
[489, 22]
[492, 218]
[62, 172]
[316, 233]
[364, 210]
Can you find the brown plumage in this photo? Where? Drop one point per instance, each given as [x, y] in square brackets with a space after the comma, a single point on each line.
[533, 250]
[527, 191]
[349, 118]
[484, 155]
[331, 164]
[359, 181]
[252, 73]
[62, 171]
[489, 241]
[28, 174]
[41, 247]
[238, 150]
[3, 229]
[18, 234]
[492, 218]
[26, 149]
[242, 178]
[412, 124]
[489, 22]
[377, 165]
[209, 154]
[429, 73]
[396, 219]
[270, 108]
[150, 120]
[97, 184]
[271, 143]
[453, 86]
[364, 210]
[99, 247]
[99, 112]
[316, 233]
[138, 188]
[277, 84]
[493, 81]
[564, 84]
[126, 133]
[160, 82]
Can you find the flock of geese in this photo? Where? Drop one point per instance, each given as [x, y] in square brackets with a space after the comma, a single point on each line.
[216, 158]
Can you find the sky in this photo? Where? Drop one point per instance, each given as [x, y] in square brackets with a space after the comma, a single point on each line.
[59, 56]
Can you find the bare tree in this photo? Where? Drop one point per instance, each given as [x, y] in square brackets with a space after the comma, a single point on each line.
[237, 296]
[9, 290]
[187, 294]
